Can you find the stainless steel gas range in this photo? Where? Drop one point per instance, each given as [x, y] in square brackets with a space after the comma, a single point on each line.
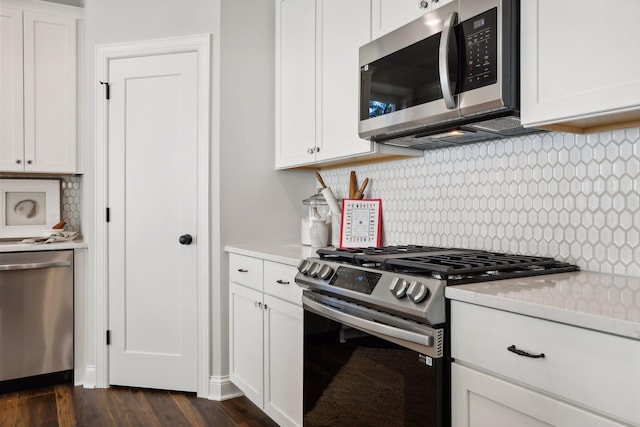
[376, 330]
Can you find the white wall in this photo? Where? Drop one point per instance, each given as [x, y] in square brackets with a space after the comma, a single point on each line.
[257, 203]
[250, 201]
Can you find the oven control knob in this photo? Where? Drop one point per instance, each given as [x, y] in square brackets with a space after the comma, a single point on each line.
[398, 287]
[417, 292]
[325, 272]
[314, 269]
[304, 266]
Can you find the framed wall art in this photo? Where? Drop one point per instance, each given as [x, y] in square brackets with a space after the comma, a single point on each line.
[28, 207]
[361, 223]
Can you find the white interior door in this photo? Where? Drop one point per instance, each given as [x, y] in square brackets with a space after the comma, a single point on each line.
[152, 196]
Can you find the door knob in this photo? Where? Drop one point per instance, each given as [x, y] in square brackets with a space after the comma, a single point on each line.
[185, 239]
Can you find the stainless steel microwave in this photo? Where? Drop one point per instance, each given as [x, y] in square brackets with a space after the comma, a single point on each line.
[450, 77]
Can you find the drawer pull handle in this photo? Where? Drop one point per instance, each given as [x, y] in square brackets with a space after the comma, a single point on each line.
[513, 349]
[282, 282]
[242, 270]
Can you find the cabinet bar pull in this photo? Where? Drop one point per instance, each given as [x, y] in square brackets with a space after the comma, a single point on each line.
[513, 349]
[242, 270]
[282, 282]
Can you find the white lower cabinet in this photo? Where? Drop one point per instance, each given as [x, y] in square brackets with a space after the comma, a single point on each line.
[246, 341]
[580, 377]
[283, 337]
[266, 336]
[483, 400]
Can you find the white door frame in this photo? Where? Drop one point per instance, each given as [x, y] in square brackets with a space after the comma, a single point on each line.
[97, 301]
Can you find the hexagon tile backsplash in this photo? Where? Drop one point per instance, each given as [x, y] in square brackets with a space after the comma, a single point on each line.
[572, 197]
[71, 203]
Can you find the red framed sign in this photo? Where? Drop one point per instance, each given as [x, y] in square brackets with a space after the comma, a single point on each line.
[361, 223]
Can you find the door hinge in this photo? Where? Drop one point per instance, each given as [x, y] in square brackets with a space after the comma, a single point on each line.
[108, 214]
[108, 337]
[106, 93]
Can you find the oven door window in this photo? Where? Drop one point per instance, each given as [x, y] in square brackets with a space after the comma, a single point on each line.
[352, 378]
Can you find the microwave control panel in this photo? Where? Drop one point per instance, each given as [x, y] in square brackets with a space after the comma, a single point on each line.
[479, 42]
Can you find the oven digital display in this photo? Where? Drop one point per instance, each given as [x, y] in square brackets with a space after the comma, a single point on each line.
[355, 280]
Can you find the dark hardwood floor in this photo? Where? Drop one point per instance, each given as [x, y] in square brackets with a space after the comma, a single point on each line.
[65, 405]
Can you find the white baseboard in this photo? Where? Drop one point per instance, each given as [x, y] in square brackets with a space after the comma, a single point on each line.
[221, 388]
[89, 377]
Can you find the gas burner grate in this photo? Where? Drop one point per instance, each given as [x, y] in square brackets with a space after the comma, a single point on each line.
[478, 264]
[455, 266]
[399, 250]
[349, 254]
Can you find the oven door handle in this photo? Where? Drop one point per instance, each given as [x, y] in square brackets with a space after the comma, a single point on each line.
[367, 325]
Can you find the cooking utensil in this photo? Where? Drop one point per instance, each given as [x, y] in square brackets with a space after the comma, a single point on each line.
[360, 193]
[353, 185]
[321, 181]
[334, 206]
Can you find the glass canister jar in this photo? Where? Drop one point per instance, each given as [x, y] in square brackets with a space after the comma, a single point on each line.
[315, 213]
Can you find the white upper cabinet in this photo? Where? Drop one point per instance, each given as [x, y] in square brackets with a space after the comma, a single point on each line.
[387, 15]
[345, 27]
[580, 67]
[295, 82]
[318, 81]
[11, 99]
[39, 106]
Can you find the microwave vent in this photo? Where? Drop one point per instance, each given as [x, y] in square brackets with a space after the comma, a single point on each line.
[500, 124]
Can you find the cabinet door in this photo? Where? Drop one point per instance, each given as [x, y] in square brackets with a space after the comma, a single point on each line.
[11, 116]
[387, 15]
[283, 361]
[246, 270]
[345, 26]
[279, 281]
[439, 3]
[49, 93]
[574, 74]
[246, 341]
[566, 370]
[295, 82]
[481, 400]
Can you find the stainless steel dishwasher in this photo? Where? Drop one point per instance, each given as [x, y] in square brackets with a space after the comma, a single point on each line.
[36, 318]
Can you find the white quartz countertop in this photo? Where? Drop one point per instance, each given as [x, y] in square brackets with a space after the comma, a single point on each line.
[285, 254]
[601, 302]
[17, 246]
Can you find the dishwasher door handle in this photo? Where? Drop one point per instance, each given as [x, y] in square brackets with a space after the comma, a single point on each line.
[34, 265]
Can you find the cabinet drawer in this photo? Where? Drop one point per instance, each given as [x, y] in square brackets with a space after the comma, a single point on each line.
[279, 281]
[594, 369]
[246, 271]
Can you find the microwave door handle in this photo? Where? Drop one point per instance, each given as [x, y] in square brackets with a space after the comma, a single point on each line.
[443, 56]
